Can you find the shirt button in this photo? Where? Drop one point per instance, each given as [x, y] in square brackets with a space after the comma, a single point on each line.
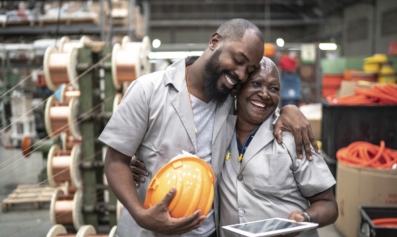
[241, 212]
[240, 177]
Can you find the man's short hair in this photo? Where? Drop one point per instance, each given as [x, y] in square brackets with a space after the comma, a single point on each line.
[234, 29]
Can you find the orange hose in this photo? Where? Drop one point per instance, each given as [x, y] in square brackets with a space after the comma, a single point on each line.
[364, 154]
[385, 222]
[377, 95]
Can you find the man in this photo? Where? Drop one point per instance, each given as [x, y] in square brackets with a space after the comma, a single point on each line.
[184, 108]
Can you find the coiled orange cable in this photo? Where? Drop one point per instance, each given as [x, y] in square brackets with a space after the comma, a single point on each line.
[385, 222]
[365, 154]
[377, 95]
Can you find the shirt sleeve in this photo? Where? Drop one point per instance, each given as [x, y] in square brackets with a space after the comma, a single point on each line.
[312, 177]
[128, 125]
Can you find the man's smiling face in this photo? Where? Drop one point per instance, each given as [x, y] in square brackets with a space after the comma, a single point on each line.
[231, 64]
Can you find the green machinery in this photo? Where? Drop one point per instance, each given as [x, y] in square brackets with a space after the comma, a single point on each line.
[94, 208]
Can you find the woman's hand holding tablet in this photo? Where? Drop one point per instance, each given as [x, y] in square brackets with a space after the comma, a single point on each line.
[270, 227]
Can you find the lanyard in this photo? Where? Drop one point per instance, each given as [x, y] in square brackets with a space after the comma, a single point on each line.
[234, 143]
[190, 98]
[240, 158]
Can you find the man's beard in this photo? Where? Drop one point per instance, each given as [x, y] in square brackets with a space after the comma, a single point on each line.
[213, 73]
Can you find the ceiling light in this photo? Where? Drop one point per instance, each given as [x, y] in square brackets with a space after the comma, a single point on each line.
[156, 43]
[328, 46]
[280, 42]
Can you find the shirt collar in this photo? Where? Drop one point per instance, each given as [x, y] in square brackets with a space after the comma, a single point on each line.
[177, 71]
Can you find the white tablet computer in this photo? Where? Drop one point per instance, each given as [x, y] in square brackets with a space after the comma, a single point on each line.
[270, 227]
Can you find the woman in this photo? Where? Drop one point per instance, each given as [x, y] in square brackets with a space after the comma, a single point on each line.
[263, 179]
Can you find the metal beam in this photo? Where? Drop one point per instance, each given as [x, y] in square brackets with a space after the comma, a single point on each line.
[268, 19]
[102, 17]
[131, 18]
[190, 15]
[146, 17]
[216, 23]
[224, 2]
[51, 29]
[340, 5]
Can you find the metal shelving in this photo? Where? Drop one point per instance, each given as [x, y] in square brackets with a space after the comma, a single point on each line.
[52, 29]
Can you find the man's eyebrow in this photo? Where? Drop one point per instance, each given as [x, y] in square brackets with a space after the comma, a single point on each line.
[245, 56]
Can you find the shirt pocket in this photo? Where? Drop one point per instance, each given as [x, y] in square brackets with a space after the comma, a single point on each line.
[272, 174]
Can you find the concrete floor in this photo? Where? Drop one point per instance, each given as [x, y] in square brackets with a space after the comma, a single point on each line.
[25, 220]
[22, 219]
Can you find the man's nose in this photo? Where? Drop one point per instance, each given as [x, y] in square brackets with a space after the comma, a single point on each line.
[242, 73]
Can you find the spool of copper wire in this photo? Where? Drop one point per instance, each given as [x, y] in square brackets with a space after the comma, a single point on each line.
[68, 141]
[144, 56]
[129, 60]
[126, 65]
[26, 146]
[57, 230]
[66, 209]
[68, 92]
[66, 45]
[60, 67]
[61, 117]
[62, 167]
[84, 231]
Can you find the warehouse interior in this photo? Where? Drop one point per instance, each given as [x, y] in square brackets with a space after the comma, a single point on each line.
[66, 65]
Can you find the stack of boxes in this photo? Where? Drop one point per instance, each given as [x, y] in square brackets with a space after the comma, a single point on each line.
[336, 70]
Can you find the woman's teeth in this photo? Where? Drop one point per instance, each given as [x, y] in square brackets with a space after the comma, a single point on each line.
[262, 105]
[229, 80]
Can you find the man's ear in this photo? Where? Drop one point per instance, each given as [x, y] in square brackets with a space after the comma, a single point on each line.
[215, 40]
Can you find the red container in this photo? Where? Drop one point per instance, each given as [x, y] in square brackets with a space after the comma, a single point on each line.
[331, 84]
[332, 80]
[40, 80]
[329, 90]
[363, 76]
[393, 48]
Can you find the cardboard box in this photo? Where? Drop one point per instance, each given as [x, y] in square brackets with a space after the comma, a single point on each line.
[316, 127]
[362, 187]
[347, 87]
[313, 113]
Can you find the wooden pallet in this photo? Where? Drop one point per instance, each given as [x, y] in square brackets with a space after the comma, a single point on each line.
[16, 23]
[53, 21]
[68, 21]
[36, 195]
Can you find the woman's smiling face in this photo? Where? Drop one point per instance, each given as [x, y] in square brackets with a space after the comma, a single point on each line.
[259, 96]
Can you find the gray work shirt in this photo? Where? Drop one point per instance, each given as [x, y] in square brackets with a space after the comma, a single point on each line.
[204, 118]
[155, 122]
[271, 181]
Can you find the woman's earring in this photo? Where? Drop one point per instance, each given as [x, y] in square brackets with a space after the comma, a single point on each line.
[235, 103]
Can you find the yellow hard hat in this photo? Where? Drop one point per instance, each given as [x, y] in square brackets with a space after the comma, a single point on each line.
[194, 181]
